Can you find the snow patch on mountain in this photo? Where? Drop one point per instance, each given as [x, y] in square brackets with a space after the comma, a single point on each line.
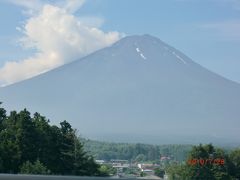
[140, 53]
[177, 56]
[143, 56]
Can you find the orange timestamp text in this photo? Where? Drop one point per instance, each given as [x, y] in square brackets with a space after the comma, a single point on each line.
[217, 161]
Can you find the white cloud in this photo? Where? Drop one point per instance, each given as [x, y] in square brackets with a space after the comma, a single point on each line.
[91, 21]
[58, 37]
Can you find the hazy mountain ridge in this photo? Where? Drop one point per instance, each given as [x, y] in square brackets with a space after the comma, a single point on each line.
[139, 85]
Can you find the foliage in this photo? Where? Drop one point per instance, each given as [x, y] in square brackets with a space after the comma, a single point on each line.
[131, 171]
[25, 139]
[159, 172]
[143, 174]
[207, 168]
[135, 152]
[177, 172]
[34, 168]
[235, 159]
[107, 170]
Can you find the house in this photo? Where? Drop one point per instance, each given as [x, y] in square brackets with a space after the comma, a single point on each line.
[117, 163]
[100, 161]
[147, 167]
[165, 158]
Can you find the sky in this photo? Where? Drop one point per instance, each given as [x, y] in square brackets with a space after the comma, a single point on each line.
[39, 35]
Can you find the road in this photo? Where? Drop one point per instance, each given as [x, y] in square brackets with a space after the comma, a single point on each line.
[44, 177]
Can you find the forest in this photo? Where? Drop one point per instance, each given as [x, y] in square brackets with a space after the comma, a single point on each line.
[30, 145]
[187, 162]
[135, 152]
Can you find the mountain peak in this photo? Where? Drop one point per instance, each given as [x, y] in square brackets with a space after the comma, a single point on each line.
[139, 85]
[139, 39]
[149, 47]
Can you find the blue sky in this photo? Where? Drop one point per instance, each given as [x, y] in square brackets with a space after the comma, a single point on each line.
[208, 31]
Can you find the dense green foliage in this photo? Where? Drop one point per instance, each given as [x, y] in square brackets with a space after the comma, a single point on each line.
[135, 152]
[34, 168]
[29, 143]
[235, 159]
[213, 163]
[159, 172]
[107, 170]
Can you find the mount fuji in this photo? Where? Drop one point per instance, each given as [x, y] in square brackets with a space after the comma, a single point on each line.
[138, 90]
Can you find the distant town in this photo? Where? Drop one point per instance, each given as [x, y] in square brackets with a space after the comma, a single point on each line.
[126, 169]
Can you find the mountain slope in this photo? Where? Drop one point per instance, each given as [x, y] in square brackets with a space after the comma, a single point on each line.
[139, 89]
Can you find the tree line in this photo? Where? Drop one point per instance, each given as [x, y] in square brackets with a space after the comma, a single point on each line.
[29, 144]
[135, 152]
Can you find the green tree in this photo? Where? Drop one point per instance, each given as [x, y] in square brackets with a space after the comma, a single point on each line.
[67, 147]
[10, 153]
[202, 169]
[2, 116]
[140, 158]
[208, 170]
[235, 166]
[103, 171]
[159, 172]
[142, 174]
[25, 139]
[106, 170]
[178, 172]
[34, 168]
[45, 144]
[26, 136]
